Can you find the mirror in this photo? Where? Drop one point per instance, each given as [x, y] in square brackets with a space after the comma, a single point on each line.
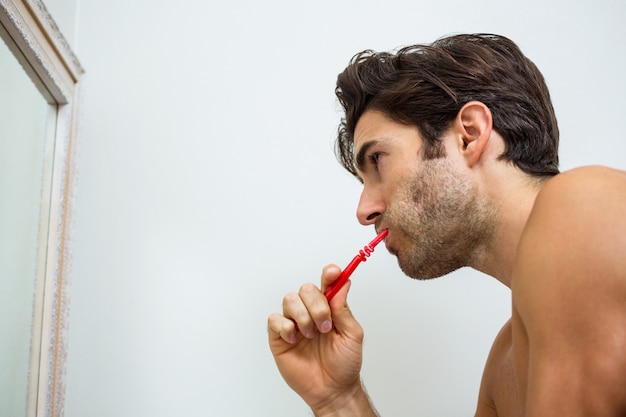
[22, 143]
[39, 85]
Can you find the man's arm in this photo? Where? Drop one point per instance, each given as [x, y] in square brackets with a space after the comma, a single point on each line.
[569, 297]
[358, 405]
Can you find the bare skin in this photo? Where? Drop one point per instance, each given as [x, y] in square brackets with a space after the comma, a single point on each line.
[559, 244]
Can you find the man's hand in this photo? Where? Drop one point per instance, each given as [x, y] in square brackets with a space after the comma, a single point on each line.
[317, 347]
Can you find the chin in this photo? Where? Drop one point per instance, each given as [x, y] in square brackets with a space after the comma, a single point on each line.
[424, 271]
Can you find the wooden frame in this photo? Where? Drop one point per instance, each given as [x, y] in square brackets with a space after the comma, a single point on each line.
[35, 40]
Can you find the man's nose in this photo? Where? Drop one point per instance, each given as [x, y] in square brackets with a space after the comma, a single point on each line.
[370, 206]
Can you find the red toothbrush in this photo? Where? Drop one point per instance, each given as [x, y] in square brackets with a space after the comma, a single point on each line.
[362, 256]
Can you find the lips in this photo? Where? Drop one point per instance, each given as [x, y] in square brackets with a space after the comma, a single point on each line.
[388, 246]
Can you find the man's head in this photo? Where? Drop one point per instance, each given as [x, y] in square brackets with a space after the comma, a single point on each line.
[427, 85]
[438, 220]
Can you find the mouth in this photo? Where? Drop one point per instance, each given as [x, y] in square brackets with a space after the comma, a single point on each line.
[388, 245]
[382, 233]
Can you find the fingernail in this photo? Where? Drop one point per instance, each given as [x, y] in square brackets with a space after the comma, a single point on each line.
[326, 326]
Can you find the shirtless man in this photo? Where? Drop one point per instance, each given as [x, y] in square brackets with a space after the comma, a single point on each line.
[456, 144]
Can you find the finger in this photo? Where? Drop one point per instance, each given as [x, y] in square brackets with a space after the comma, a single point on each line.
[281, 328]
[295, 309]
[317, 306]
[330, 273]
[343, 320]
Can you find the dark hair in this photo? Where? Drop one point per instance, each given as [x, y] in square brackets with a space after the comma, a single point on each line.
[426, 86]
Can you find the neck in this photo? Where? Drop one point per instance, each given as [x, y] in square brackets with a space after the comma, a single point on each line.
[513, 199]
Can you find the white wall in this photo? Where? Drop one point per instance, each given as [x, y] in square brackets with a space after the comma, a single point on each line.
[208, 189]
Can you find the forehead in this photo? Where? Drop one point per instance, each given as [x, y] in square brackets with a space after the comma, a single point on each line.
[374, 125]
[371, 123]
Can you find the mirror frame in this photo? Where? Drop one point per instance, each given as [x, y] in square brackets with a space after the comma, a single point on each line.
[36, 41]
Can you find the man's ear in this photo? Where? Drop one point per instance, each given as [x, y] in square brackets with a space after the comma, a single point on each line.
[474, 123]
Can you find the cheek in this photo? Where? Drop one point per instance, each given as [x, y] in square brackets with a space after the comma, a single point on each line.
[403, 211]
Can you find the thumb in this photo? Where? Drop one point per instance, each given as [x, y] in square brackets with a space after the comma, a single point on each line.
[343, 320]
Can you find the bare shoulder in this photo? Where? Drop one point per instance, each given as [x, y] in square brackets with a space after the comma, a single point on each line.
[592, 175]
[576, 233]
[569, 294]
[591, 186]
[584, 212]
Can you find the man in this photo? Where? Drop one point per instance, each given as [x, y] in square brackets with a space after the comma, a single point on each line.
[456, 146]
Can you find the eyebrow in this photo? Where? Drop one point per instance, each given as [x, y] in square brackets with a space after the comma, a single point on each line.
[360, 156]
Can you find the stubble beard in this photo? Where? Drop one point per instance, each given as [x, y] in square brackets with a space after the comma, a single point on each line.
[440, 221]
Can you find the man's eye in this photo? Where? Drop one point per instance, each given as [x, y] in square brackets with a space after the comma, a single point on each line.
[374, 158]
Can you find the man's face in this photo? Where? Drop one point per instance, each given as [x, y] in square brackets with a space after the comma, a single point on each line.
[437, 221]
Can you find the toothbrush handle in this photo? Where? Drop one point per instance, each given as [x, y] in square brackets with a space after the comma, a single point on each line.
[333, 288]
[362, 256]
